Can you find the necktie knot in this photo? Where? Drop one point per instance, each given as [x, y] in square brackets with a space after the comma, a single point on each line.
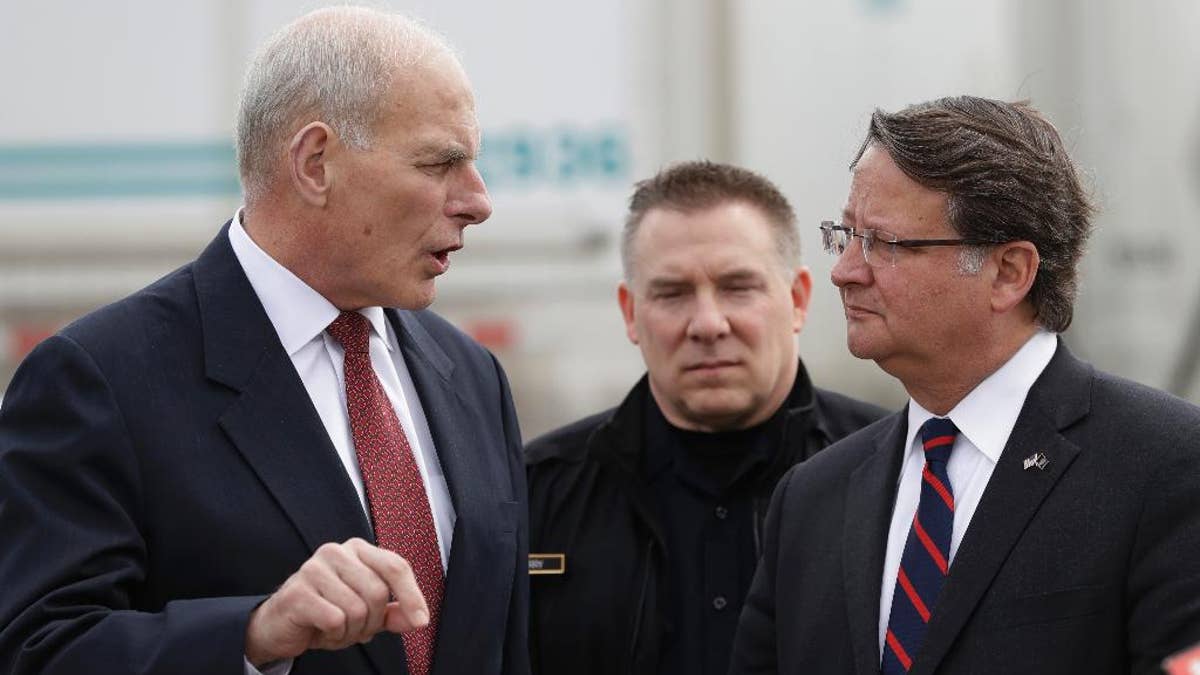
[352, 331]
[937, 437]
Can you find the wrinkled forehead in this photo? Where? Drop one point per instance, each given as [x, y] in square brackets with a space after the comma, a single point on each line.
[882, 196]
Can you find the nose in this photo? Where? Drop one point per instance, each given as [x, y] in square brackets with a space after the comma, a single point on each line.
[469, 201]
[708, 322]
[851, 266]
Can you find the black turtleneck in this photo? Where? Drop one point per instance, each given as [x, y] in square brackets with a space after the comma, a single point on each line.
[702, 485]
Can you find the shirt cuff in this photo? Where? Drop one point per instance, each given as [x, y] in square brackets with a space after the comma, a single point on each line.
[281, 667]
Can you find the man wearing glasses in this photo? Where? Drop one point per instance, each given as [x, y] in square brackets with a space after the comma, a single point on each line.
[1024, 513]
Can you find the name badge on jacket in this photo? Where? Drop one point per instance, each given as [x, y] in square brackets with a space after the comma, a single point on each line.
[547, 563]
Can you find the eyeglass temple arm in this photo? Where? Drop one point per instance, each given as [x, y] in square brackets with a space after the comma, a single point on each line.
[919, 243]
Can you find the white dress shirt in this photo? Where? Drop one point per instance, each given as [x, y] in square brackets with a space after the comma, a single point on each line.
[985, 418]
[300, 316]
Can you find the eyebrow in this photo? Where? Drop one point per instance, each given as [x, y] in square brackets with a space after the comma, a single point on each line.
[740, 275]
[667, 282]
[438, 153]
[448, 155]
[877, 223]
[455, 154]
[657, 283]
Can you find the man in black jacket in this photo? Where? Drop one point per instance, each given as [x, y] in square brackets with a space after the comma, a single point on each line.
[646, 519]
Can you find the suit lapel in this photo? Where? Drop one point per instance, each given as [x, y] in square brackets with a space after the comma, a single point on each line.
[272, 422]
[1059, 397]
[865, 538]
[431, 371]
[275, 427]
[478, 527]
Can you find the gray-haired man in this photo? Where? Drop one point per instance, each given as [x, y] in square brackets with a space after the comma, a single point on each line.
[252, 463]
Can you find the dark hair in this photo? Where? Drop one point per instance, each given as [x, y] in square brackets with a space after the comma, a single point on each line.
[700, 185]
[1007, 177]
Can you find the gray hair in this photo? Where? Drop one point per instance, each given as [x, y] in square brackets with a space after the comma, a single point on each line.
[701, 185]
[1007, 177]
[971, 259]
[334, 65]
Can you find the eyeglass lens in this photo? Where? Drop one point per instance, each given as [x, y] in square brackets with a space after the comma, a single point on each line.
[836, 239]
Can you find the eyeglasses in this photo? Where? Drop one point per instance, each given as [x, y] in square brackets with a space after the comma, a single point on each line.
[879, 247]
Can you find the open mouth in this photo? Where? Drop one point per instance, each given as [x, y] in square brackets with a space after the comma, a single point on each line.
[441, 258]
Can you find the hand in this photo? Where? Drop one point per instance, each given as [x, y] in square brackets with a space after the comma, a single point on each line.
[338, 597]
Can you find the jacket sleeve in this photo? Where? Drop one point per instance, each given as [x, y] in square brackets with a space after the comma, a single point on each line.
[1163, 584]
[754, 646]
[73, 556]
[516, 642]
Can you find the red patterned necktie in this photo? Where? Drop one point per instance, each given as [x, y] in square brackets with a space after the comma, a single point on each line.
[925, 562]
[399, 505]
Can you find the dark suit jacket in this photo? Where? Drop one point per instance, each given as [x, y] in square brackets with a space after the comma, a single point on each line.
[1090, 565]
[162, 468]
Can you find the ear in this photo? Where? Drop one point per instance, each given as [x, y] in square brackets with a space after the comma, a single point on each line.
[625, 299]
[801, 294]
[307, 162]
[1016, 268]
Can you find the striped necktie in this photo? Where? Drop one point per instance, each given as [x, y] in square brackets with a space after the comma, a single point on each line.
[926, 559]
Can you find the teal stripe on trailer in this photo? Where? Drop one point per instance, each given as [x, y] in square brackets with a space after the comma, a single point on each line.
[125, 153]
[115, 187]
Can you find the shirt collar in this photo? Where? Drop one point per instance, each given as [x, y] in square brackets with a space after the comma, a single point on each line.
[987, 415]
[298, 312]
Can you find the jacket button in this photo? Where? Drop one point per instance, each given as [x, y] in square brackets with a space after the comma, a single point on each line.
[719, 603]
[721, 512]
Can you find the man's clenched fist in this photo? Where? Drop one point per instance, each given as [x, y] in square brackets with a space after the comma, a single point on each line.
[344, 594]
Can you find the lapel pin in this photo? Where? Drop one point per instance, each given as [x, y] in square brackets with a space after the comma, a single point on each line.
[1036, 459]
